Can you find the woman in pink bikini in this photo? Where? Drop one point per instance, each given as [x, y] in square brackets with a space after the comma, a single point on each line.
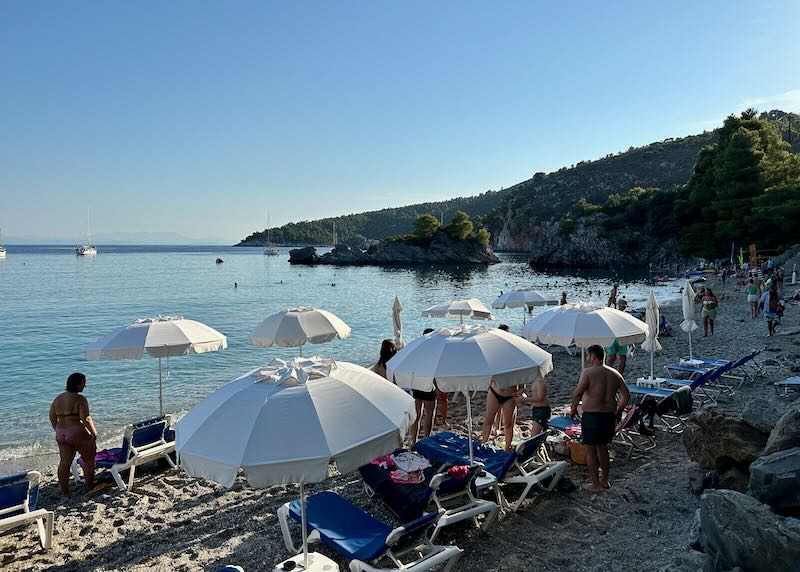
[75, 431]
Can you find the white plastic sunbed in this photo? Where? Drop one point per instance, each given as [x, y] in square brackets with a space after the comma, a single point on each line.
[142, 443]
[18, 497]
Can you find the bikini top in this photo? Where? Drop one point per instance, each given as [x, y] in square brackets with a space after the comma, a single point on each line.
[71, 413]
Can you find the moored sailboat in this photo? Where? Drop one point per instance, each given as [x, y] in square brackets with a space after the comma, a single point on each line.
[2, 248]
[87, 249]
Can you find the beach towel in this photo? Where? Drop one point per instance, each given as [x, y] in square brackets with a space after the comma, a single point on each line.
[107, 455]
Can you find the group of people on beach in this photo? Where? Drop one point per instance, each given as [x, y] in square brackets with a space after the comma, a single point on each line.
[600, 397]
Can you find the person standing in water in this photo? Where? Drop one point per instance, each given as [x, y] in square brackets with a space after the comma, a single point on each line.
[75, 431]
[612, 298]
[597, 390]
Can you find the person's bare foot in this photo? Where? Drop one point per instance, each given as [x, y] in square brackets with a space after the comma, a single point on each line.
[592, 488]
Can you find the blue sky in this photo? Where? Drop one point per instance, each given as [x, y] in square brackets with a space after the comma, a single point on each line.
[199, 117]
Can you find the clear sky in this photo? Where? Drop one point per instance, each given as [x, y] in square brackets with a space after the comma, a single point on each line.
[198, 117]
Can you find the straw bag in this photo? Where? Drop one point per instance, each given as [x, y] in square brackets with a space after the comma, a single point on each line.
[577, 452]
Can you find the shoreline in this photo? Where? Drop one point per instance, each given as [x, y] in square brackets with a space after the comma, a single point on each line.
[174, 522]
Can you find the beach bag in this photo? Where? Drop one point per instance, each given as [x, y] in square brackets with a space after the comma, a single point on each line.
[577, 452]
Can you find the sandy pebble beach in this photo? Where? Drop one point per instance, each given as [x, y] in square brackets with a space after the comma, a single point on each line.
[173, 522]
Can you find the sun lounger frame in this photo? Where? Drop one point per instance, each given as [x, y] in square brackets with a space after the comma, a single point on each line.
[137, 452]
[427, 554]
[41, 517]
[456, 506]
[530, 467]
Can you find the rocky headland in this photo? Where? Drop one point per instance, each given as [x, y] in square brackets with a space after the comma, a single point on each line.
[401, 251]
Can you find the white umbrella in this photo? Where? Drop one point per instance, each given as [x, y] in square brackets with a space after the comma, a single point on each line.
[471, 308]
[162, 336]
[524, 299]
[652, 317]
[583, 325]
[294, 327]
[397, 322]
[288, 421]
[687, 302]
[466, 359]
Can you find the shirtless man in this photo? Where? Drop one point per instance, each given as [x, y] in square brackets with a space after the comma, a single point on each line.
[598, 386]
[540, 411]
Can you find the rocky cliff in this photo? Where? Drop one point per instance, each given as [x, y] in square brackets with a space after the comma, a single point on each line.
[551, 245]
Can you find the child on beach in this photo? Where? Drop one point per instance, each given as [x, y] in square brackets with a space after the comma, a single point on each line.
[540, 404]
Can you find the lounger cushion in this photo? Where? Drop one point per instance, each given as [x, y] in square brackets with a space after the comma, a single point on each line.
[447, 445]
[407, 502]
[343, 526]
[14, 491]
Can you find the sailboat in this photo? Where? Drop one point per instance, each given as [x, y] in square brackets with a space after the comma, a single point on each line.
[2, 248]
[269, 248]
[87, 249]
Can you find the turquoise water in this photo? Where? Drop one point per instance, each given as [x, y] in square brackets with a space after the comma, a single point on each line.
[53, 304]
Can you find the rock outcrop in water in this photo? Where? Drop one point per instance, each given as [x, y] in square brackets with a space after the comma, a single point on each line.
[441, 249]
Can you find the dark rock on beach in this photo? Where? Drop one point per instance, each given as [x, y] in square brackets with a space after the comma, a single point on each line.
[761, 414]
[718, 441]
[737, 530]
[786, 433]
[775, 480]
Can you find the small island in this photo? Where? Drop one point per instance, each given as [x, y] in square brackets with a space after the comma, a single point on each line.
[431, 243]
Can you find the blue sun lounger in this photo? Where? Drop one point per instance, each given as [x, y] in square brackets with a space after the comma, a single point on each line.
[527, 465]
[439, 491]
[788, 384]
[368, 543]
[717, 363]
[19, 495]
[142, 442]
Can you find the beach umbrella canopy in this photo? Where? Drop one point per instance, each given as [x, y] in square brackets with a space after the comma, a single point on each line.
[466, 359]
[471, 308]
[687, 303]
[286, 422]
[583, 325]
[524, 299]
[294, 327]
[652, 318]
[397, 322]
[159, 337]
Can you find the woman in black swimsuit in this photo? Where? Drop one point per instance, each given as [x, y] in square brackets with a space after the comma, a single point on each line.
[500, 400]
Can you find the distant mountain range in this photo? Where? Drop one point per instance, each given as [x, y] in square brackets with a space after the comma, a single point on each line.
[511, 214]
[150, 238]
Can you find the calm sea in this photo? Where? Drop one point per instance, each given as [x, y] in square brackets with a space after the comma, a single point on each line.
[53, 304]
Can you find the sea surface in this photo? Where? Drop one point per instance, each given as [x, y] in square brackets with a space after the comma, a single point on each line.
[53, 304]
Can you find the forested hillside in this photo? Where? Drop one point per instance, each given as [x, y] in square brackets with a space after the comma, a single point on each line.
[513, 214]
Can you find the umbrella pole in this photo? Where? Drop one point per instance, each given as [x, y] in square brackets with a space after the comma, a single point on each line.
[160, 391]
[651, 365]
[469, 425]
[524, 309]
[582, 359]
[690, 344]
[303, 524]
